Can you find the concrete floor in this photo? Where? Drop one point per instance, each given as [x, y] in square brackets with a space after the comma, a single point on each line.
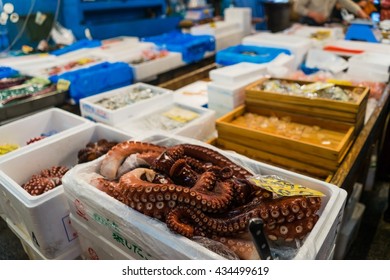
[372, 241]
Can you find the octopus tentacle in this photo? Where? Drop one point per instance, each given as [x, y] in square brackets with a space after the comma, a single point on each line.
[131, 186]
[114, 158]
[211, 156]
[237, 223]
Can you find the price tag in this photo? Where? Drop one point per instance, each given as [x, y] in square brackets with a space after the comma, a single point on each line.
[282, 187]
[180, 115]
[63, 85]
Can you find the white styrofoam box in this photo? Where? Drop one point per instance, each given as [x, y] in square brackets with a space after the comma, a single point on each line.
[352, 201]
[45, 218]
[33, 253]
[228, 39]
[82, 58]
[106, 215]
[194, 94]
[229, 97]
[333, 33]
[220, 110]
[238, 73]
[199, 128]
[22, 130]
[298, 46]
[356, 47]
[241, 15]
[125, 52]
[361, 74]
[329, 232]
[374, 64]
[129, 53]
[215, 28]
[91, 110]
[150, 69]
[25, 61]
[95, 247]
[349, 232]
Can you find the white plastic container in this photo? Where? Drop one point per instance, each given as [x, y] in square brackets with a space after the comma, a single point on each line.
[69, 62]
[194, 94]
[201, 127]
[241, 15]
[226, 33]
[375, 65]
[20, 131]
[45, 218]
[33, 253]
[96, 247]
[298, 46]
[348, 232]
[89, 109]
[107, 215]
[150, 69]
[238, 73]
[147, 70]
[357, 47]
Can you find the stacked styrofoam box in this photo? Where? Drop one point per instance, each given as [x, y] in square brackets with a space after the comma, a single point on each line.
[194, 94]
[32, 252]
[348, 232]
[370, 67]
[51, 120]
[241, 15]
[100, 211]
[227, 89]
[298, 46]
[146, 70]
[226, 33]
[96, 247]
[44, 219]
[202, 127]
[91, 110]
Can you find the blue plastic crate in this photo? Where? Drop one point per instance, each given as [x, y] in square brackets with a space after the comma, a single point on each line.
[96, 79]
[243, 53]
[192, 47]
[77, 45]
[6, 72]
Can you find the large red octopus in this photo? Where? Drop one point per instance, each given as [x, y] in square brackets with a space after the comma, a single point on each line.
[197, 191]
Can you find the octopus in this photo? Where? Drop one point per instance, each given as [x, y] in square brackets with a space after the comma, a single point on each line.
[35, 139]
[45, 181]
[94, 150]
[198, 192]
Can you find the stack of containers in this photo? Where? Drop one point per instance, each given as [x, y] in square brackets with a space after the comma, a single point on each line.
[298, 46]
[226, 91]
[142, 237]
[42, 222]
